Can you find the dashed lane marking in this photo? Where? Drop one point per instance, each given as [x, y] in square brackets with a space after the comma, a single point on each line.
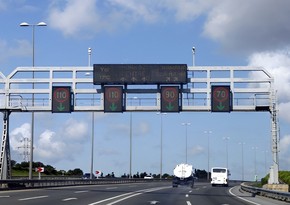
[32, 198]
[79, 192]
[69, 199]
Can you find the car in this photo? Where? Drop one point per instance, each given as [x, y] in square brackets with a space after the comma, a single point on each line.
[88, 176]
[148, 177]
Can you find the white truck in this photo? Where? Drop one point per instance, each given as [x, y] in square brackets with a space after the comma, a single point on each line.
[183, 175]
[220, 176]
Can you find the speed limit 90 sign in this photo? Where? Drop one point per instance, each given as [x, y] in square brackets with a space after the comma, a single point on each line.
[170, 99]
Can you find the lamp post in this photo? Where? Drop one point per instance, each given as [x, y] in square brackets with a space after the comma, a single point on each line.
[208, 133]
[242, 143]
[131, 135]
[193, 56]
[255, 161]
[130, 168]
[185, 124]
[161, 142]
[93, 122]
[24, 24]
[227, 151]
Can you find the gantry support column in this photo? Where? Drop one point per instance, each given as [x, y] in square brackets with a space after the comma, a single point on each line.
[5, 157]
[274, 170]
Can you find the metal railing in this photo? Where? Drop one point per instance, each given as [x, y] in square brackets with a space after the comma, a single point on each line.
[39, 183]
[278, 195]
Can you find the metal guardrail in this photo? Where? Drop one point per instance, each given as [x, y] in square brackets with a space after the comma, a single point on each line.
[39, 183]
[278, 195]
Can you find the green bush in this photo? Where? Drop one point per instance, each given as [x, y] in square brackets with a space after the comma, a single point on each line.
[284, 177]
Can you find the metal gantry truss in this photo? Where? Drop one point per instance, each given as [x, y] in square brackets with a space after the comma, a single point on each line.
[29, 89]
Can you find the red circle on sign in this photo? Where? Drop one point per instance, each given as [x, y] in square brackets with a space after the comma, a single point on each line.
[113, 94]
[221, 94]
[170, 94]
[61, 95]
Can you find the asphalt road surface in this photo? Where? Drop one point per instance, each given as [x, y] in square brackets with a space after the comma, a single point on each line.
[135, 194]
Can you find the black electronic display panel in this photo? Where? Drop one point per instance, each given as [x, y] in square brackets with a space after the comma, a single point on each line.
[140, 74]
[113, 99]
[170, 99]
[61, 99]
[221, 99]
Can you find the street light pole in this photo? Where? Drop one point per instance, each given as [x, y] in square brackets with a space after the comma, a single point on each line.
[227, 151]
[130, 176]
[93, 123]
[131, 135]
[255, 158]
[185, 124]
[161, 142]
[24, 24]
[242, 143]
[208, 133]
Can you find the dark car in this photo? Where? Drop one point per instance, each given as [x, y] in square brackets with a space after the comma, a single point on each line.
[88, 176]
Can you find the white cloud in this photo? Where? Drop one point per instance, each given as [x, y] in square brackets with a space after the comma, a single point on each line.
[277, 63]
[246, 27]
[74, 130]
[76, 17]
[249, 26]
[88, 17]
[17, 48]
[284, 145]
[186, 10]
[18, 135]
[51, 147]
[284, 158]
[196, 150]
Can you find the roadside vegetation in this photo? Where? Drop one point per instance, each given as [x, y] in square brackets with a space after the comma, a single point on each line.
[22, 169]
[284, 177]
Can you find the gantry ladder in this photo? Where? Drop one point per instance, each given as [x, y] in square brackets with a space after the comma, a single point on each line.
[5, 158]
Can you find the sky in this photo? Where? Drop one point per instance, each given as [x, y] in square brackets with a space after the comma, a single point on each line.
[224, 33]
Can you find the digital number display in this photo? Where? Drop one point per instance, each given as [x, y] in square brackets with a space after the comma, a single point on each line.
[140, 74]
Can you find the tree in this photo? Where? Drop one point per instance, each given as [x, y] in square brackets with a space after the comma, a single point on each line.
[75, 172]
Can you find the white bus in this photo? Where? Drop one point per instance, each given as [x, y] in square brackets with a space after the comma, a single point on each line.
[220, 176]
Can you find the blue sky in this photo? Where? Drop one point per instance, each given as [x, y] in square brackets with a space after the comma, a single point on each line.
[224, 33]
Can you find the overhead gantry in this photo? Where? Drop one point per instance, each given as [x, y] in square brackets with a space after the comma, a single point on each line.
[31, 89]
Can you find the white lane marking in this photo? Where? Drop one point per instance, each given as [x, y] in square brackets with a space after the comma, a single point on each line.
[98, 202]
[186, 195]
[242, 197]
[78, 192]
[69, 199]
[154, 202]
[128, 195]
[31, 198]
[188, 203]
[112, 188]
[4, 196]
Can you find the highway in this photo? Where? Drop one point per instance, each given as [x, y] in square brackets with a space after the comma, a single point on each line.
[132, 194]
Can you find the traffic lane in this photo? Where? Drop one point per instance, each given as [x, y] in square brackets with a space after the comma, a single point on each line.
[73, 195]
[202, 193]
[182, 195]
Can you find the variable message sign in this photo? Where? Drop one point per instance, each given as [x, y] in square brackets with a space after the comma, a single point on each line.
[170, 99]
[113, 99]
[61, 99]
[221, 98]
[140, 74]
